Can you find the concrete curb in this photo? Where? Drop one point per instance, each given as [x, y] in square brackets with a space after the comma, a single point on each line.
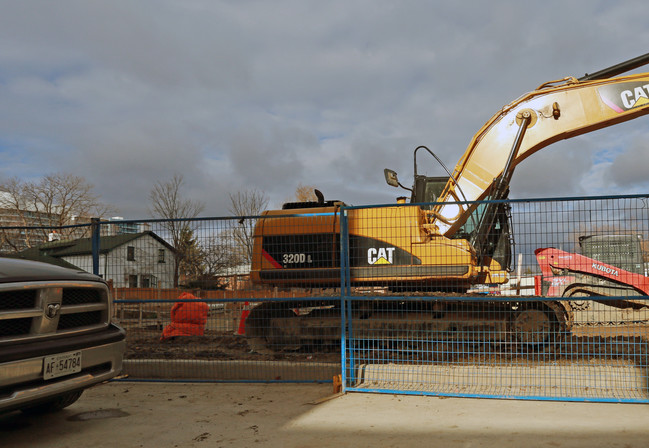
[196, 369]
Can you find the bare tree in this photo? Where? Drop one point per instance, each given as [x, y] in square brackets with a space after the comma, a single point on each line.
[168, 202]
[218, 254]
[55, 201]
[305, 193]
[248, 203]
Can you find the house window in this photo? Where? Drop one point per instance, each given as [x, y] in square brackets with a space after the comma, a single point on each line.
[161, 256]
[130, 253]
[148, 281]
[132, 281]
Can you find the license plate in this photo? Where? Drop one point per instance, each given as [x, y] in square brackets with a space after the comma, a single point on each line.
[61, 365]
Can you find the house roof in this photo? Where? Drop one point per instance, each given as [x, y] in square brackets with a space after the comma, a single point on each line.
[83, 246]
[51, 252]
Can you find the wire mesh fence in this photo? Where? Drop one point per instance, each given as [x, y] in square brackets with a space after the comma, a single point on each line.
[554, 307]
[193, 338]
[499, 348]
[532, 299]
[191, 311]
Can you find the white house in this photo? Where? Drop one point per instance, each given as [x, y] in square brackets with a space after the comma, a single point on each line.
[132, 260]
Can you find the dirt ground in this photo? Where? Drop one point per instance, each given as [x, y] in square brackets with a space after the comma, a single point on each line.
[221, 342]
[600, 342]
[215, 345]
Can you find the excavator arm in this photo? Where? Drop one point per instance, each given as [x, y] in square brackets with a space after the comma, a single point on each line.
[555, 111]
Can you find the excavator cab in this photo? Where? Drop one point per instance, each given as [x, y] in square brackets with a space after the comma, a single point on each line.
[488, 227]
[425, 189]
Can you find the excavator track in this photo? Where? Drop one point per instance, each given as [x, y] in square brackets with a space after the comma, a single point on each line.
[288, 326]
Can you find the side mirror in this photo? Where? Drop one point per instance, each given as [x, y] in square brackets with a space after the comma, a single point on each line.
[391, 177]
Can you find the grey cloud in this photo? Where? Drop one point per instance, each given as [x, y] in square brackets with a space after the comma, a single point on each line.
[269, 95]
[555, 171]
[630, 168]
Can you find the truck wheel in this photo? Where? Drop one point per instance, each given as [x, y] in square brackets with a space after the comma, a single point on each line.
[55, 404]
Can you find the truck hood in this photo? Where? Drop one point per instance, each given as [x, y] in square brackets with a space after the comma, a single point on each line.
[17, 270]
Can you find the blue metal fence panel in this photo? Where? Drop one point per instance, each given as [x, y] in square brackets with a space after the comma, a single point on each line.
[161, 347]
[570, 322]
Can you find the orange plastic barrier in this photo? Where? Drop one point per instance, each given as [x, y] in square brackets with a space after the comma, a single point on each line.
[187, 318]
[242, 321]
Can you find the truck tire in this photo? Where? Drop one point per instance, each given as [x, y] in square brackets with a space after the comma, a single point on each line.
[55, 404]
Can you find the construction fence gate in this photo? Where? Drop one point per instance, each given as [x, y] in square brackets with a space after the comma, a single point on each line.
[571, 323]
[564, 317]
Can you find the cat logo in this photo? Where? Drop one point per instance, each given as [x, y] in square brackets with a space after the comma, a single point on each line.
[382, 255]
[625, 96]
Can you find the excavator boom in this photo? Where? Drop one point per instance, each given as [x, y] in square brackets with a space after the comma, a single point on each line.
[555, 111]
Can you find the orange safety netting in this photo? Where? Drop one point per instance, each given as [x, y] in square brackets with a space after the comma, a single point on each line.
[187, 318]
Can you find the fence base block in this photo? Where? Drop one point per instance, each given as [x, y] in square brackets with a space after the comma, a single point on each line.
[618, 381]
[231, 370]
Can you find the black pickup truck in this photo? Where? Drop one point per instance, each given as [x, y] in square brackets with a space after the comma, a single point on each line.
[56, 335]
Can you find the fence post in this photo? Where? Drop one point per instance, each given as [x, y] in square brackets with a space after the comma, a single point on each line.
[95, 245]
[345, 300]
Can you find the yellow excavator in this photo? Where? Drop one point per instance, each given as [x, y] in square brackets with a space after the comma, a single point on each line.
[443, 240]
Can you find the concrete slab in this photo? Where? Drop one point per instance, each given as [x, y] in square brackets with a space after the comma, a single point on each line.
[153, 415]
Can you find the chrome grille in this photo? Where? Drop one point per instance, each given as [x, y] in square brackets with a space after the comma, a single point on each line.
[32, 310]
[78, 320]
[15, 327]
[78, 296]
[15, 300]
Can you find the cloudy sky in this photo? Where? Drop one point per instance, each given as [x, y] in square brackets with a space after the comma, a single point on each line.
[268, 95]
